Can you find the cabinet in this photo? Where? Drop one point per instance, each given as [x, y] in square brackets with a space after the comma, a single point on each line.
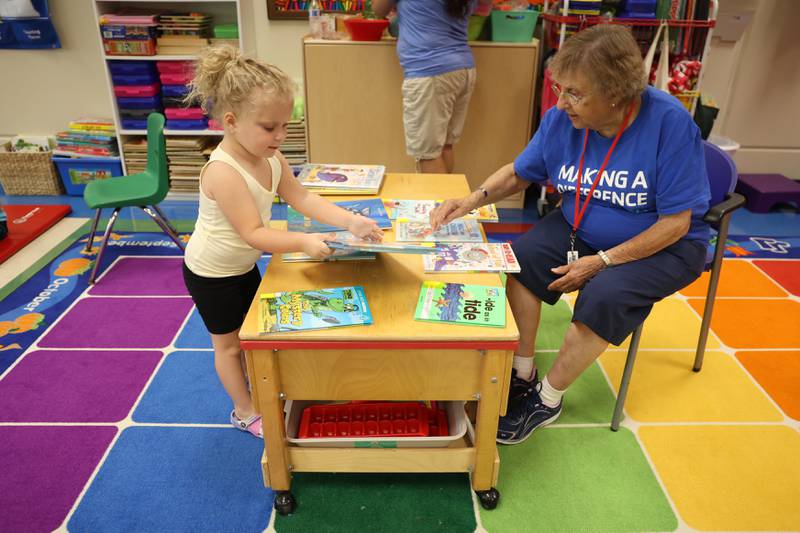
[354, 110]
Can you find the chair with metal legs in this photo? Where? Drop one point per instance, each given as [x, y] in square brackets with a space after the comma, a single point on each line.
[722, 177]
[144, 190]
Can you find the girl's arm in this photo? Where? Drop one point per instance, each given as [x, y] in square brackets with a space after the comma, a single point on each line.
[382, 7]
[314, 206]
[225, 186]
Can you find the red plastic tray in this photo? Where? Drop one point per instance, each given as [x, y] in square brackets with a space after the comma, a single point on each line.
[137, 90]
[175, 67]
[184, 113]
[179, 78]
[384, 419]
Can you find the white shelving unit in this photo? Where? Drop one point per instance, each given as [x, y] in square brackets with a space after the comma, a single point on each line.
[222, 11]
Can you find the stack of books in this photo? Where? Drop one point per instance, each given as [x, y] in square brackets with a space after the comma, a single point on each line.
[88, 137]
[183, 33]
[135, 153]
[186, 157]
[342, 179]
[294, 147]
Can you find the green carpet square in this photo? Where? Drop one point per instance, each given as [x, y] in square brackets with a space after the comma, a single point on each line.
[412, 503]
[578, 479]
[553, 325]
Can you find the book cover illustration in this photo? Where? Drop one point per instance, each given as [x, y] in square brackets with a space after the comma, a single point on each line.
[458, 303]
[313, 309]
[456, 231]
[421, 210]
[469, 257]
[386, 247]
[337, 177]
[339, 254]
[372, 208]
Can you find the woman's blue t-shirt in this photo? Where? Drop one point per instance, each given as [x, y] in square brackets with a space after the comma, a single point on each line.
[657, 168]
[431, 42]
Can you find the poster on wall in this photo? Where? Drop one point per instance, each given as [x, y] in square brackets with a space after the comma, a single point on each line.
[26, 24]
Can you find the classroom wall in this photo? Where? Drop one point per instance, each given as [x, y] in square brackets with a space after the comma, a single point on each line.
[754, 79]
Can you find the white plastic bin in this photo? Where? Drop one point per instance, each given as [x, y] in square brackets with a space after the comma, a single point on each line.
[728, 145]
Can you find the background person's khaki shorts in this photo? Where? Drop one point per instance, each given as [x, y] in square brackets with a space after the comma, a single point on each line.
[434, 110]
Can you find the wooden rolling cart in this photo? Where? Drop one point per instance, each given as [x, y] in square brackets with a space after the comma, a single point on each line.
[396, 358]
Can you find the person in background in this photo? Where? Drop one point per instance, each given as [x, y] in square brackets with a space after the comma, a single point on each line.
[632, 235]
[438, 76]
[253, 101]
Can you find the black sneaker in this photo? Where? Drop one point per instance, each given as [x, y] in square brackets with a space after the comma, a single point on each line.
[520, 388]
[526, 415]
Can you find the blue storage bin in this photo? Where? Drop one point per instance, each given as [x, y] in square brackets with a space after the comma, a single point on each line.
[132, 67]
[76, 172]
[134, 79]
[142, 102]
[6, 34]
[133, 123]
[175, 90]
[199, 124]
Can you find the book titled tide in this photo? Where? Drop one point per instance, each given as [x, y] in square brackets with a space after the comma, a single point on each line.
[457, 303]
[371, 208]
[313, 309]
[472, 257]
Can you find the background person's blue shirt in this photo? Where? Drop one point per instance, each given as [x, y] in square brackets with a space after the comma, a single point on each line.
[657, 168]
[431, 42]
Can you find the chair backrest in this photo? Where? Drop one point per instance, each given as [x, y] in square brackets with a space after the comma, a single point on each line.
[157, 155]
[721, 170]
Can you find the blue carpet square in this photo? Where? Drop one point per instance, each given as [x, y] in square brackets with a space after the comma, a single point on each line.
[178, 479]
[186, 390]
[194, 334]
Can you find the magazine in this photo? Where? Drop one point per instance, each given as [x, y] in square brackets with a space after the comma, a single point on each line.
[421, 210]
[456, 231]
[372, 208]
[386, 247]
[458, 303]
[469, 257]
[337, 255]
[342, 179]
[313, 309]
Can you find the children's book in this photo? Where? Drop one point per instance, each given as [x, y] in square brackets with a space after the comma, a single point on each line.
[313, 309]
[456, 231]
[386, 247]
[472, 257]
[421, 210]
[372, 208]
[337, 255]
[458, 303]
[342, 179]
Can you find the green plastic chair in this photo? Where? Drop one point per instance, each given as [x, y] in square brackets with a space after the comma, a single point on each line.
[143, 190]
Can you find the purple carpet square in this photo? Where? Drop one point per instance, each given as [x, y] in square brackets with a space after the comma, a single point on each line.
[44, 471]
[75, 385]
[142, 276]
[119, 323]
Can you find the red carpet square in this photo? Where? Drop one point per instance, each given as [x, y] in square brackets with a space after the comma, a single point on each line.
[142, 276]
[119, 323]
[75, 386]
[784, 271]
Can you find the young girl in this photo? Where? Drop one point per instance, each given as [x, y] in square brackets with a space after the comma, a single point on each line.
[253, 101]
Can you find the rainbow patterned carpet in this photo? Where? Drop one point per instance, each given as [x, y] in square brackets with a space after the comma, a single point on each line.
[111, 419]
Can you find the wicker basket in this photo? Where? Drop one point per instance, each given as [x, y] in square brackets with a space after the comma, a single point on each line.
[23, 173]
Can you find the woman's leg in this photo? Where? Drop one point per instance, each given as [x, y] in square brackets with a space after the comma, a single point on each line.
[527, 309]
[448, 157]
[227, 362]
[580, 348]
[433, 166]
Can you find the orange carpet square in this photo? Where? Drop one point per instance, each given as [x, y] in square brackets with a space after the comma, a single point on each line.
[779, 374]
[784, 271]
[737, 278]
[745, 323]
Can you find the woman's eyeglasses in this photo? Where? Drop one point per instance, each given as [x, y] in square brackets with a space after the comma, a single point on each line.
[572, 98]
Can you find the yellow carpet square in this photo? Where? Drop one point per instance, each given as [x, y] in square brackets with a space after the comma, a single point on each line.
[664, 388]
[672, 325]
[729, 478]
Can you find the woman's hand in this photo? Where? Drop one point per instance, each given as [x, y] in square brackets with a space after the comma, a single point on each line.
[450, 210]
[575, 275]
[313, 245]
[365, 228]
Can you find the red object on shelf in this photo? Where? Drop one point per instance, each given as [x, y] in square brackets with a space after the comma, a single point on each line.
[361, 29]
[184, 113]
[378, 419]
[135, 91]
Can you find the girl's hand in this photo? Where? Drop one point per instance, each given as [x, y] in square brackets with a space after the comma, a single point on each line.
[450, 210]
[365, 228]
[313, 245]
[575, 275]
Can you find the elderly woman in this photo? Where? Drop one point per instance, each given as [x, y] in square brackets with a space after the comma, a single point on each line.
[628, 161]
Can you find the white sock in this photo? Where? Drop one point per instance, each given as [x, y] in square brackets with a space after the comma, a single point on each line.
[524, 366]
[550, 396]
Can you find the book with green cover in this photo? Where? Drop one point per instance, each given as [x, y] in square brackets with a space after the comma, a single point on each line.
[313, 309]
[457, 303]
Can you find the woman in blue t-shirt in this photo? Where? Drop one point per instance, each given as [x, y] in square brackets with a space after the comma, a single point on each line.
[634, 235]
[438, 76]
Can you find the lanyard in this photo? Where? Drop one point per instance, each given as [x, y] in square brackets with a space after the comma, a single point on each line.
[579, 211]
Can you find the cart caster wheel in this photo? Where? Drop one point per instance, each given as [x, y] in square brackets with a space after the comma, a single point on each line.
[488, 498]
[284, 503]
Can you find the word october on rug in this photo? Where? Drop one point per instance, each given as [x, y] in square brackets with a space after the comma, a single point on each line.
[29, 310]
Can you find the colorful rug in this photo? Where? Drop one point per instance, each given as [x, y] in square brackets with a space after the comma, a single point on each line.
[112, 419]
[26, 222]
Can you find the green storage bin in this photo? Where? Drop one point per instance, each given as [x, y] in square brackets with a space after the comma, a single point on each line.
[475, 27]
[226, 31]
[514, 26]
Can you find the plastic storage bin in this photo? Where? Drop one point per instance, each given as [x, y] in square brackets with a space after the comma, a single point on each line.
[475, 26]
[175, 91]
[135, 91]
[513, 26]
[184, 113]
[361, 29]
[453, 418]
[177, 78]
[131, 67]
[76, 172]
[199, 124]
[143, 102]
[133, 123]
